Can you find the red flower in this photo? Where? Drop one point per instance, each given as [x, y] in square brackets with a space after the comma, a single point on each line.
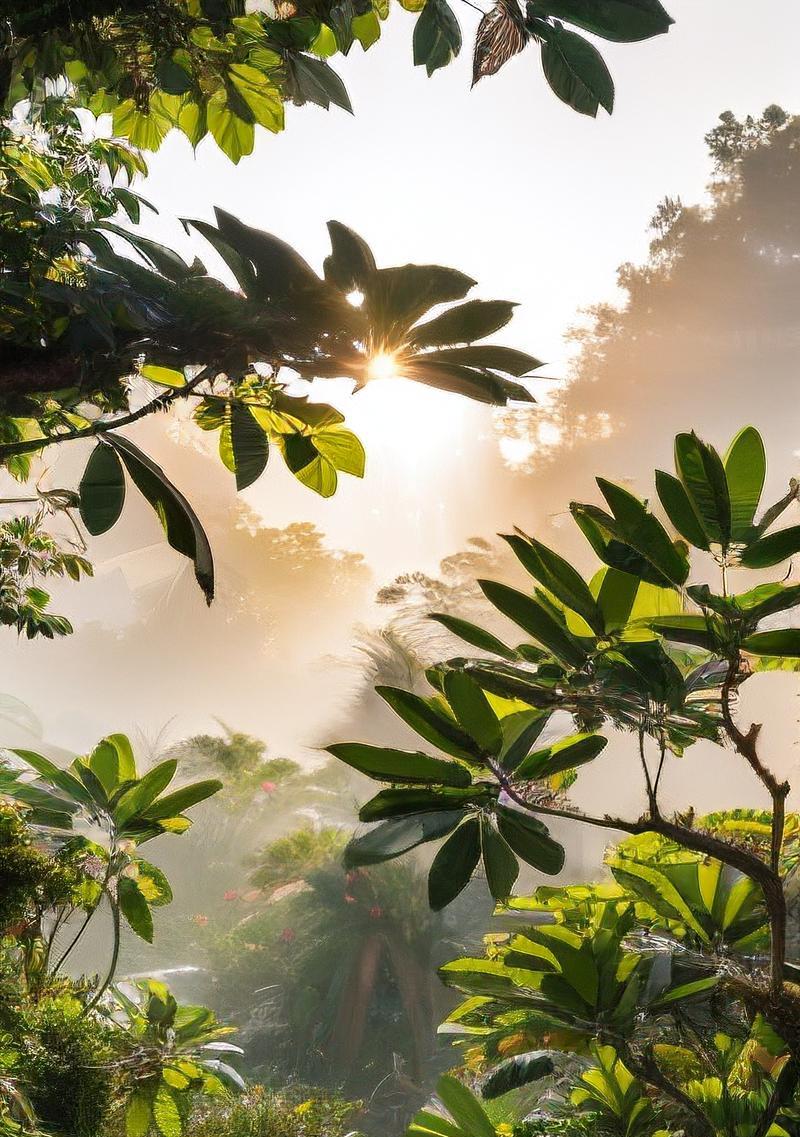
[375, 913]
[348, 899]
[288, 935]
[231, 894]
[269, 787]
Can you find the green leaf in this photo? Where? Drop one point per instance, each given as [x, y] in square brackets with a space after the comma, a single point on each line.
[685, 991]
[530, 840]
[104, 764]
[61, 779]
[392, 838]
[772, 549]
[342, 449]
[506, 359]
[623, 21]
[454, 864]
[559, 577]
[474, 635]
[153, 885]
[366, 28]
[520, 731]
[179, 521]
[351, 264]
[472, 709]
[166, 1113]
[638, 528]
[533, 618]
[680, 510]
[101, 490]
[430, 723]
[463, 323]
[499, 863]
[464, 1107]
[781, 642]
[318, 83]
[616, 596]
[138, 1114]
[563, 755]
[232, 134]
[145, 791]
[249, 446]
[164, 376]
[182, 799]
[745, 472]
[703, 476]
[400, 802]
[518, 1071]
[576, 72]
[696, 630]
[135, 908]
[390, 765]
[437, 36]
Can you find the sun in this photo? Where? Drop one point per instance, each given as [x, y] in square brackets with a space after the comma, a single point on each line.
[383, 365]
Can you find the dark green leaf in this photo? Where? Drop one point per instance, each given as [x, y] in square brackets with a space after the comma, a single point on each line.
[623, 21]
[499, 863]
[497, 358]
[472, 709]
[182, 799]
[703, 476]
[680, 510]
[430, 723]
[576, 72]
[135, 908]
[250, 446]
[772, 549]
[463, 324]
[533, 618]
[464, 1107]
[179, 521]
[454, 864]
[389, 765]
[530, 840]
[392, 838]
[745, 472]
[437, 36]
[474, 635]
[781, 642]
[351, 263]
[101, 490]
[558, 577]
[401, 802]
[518, 1071]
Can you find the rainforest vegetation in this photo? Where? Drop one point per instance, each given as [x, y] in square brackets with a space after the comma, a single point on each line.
[396, 937]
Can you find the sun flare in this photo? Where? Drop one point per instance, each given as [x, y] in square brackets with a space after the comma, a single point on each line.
[383, 365]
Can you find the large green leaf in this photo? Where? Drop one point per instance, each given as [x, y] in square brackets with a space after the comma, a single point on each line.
[437, 36]
[563, 755]
[474, 635]
[392, 838]
[454, 864]
[467, 322]
[101, 490]
[179, 521]
[135, 908]
[576, 72]
[703, 476]
[520, 1070]
[390, 765]
[464, 1107]
[499, 863]
[679, 509]
[506, 359]
[182, 799]
[249, 446]
[781, 642]
[559, 577]
[623, 21]
[638, 528]
[745, 471]
[145, 791]
[772, 549]
[351, 264]
[472, 709]
[402, 801]
[430, 723]
[530, 840]
[535, 619]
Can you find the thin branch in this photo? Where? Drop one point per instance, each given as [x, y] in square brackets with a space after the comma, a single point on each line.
[103, 426]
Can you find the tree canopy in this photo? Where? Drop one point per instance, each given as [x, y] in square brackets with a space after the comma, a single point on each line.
[223, 67]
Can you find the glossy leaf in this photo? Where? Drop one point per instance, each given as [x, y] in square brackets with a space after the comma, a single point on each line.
[392, 838]
[745, 471]
[576, 72]
[454, 864]
[400, 765]
[101, 491]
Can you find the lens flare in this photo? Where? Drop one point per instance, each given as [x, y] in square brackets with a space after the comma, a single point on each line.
[383, 365]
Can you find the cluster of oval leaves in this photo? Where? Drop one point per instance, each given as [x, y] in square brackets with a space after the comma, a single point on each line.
[603, 652]
[209, 67]
[285, 313]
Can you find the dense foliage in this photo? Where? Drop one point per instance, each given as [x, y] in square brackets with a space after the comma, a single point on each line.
[674, 980]
[223, 67]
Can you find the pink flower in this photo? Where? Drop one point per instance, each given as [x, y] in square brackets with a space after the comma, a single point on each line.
[200, 920]
[348, 899]
[269, 787]
[231, 894]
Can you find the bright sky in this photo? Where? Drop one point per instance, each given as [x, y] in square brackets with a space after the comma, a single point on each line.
[539, 204]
